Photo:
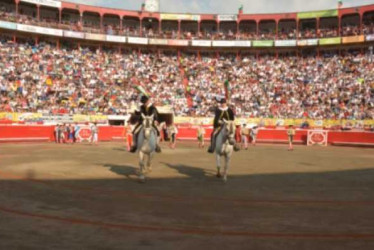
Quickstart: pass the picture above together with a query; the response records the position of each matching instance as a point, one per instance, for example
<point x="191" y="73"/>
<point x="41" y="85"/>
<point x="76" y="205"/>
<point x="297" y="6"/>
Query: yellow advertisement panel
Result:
<point x="89" y="118"/>
<point x="188" y="17"/>
<point x="353" y="39"/>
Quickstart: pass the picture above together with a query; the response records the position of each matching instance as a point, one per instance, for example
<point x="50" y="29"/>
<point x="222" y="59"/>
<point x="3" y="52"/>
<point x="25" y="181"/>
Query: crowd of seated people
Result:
<point x="287" y="34"/>
<point x="307" y="33"/>
<point x="350" y="30"/>
<point x="81" y="81"/>
<point x="327" y="32"/>
<point x="368" y="29"/>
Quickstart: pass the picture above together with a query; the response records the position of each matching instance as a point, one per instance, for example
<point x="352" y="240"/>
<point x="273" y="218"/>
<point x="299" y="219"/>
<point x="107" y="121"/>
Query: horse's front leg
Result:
<point x="141" y="166"/>
<point x="218" y="162"/>
<point x="149" y="162"/>
<point x="227" y="165"/>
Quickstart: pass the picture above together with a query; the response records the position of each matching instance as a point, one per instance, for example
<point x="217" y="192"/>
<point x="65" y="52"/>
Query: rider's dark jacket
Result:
<point x="221" y="114"/>
<point x="147" y="111"/>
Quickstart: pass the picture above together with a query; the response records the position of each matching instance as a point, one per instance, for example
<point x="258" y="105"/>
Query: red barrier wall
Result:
<point x="11" y="133"/>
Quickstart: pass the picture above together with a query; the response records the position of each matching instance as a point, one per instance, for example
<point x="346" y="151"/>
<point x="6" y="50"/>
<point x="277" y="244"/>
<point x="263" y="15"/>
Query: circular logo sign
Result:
<point x="85" y="134"/>
<point x="318" y="138"/>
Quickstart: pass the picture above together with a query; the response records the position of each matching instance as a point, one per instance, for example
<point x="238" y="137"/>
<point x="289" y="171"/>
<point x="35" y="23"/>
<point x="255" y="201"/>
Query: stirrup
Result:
<point x="210" y="150"/>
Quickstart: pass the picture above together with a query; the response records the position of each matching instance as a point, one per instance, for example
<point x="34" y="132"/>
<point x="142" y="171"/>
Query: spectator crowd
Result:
<point x="48" y="80"/>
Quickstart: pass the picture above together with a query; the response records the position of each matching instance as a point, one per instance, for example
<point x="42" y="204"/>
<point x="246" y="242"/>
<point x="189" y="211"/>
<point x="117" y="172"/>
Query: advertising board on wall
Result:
<point x="155" y="41"/>
<point x="263" y="43"/>
<point x="307" y="42"/>
<point x="369" y="38"/>
<point x="330" y="41"/>
<point x="242" y="43"/>
<point x="116" y="39"/>
<point x="39" y="30"/>
<point x="227" y="17"/>
<point x="201" y="43"/>
<point x="50" y="3"/>
<point x="223" y="43"/>
<point x="178" y="42"/>
<point x="97" y="37"/>
<point x="73" y="34"/>
<point x="8" y="25"/>
<point x="187" y="17"/>
<point x="316" y="14"/>
<point x="137" y="40"/>
<point x="353" y="39"/>
<point x="285" y="43"/>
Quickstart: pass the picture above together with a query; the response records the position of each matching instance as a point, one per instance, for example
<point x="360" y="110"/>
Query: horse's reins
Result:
<point x="230" y="131"/>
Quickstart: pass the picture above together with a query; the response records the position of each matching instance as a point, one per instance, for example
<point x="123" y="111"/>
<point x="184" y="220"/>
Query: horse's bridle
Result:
<point x="147" y="126"/>
<point x="230" y="137"/>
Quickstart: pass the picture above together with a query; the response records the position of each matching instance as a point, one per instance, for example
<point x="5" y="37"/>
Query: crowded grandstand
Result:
<point x="270" y="70"/>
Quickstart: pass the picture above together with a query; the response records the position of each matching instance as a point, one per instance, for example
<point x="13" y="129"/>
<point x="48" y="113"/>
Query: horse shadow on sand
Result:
<point x="191" y="172"/>
<point x="129" y="172"/>
<point x="123" y="149"/>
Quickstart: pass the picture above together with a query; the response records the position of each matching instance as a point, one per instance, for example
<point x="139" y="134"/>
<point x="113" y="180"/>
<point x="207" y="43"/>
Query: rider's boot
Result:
<point x="212" y="142"/>
<point x="134" y="147"/>
<point x="158" y="148"/>
<point x="236" y="147"/>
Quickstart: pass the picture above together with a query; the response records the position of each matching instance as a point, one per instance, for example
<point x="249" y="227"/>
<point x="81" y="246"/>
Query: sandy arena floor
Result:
<point x="88" y="197"/>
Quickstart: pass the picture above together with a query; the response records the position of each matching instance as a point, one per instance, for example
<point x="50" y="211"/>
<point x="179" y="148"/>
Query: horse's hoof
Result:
<point x="148" y="170"/>
<point x="142" y="179"/>
<point x="224" y="179"/>
<point x="219" y="175"/>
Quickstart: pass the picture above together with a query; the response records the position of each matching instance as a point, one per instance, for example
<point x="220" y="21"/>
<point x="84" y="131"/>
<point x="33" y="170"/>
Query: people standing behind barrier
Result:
<point x="200" y="135"/>
<point x="67" y="133"/>
<point x="95" y="134"/>
<point x="291" y="133"/>
<point x="173" y="131"/>
<point x="71" y="134"/>
<point x="128" y="129"/>
<point x="163" y="135"/>
<point x="59" y="133"/>
<point x="244" y="137"/>
<point x="254" y="132"/>
<point x="76" y="131"/>
<point x="62" y="133"/>
<point x="165" y="132"/>
<point x="56" y="134"/>
<point x="238" y="133"/>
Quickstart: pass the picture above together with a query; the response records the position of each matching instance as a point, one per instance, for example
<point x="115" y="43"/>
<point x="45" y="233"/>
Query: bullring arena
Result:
<point x="85" y="197"/>
<point x="301" y="88"/>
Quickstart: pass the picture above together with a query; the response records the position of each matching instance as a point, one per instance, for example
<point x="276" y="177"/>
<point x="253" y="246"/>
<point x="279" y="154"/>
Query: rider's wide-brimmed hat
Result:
<point x="144" y="99"/>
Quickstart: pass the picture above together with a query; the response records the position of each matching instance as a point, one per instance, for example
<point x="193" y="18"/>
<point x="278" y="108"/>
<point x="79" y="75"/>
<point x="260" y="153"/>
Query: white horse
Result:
<point x="225" y="142"/>
<point x="147" y="141"/>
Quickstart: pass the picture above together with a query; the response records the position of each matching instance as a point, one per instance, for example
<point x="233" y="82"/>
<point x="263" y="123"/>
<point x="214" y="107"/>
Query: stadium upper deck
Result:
<point x="328" y="27"/>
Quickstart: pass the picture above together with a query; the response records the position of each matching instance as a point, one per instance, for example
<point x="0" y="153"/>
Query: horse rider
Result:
<point x="147" y="109"/>
<point x="224" y="112"/>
